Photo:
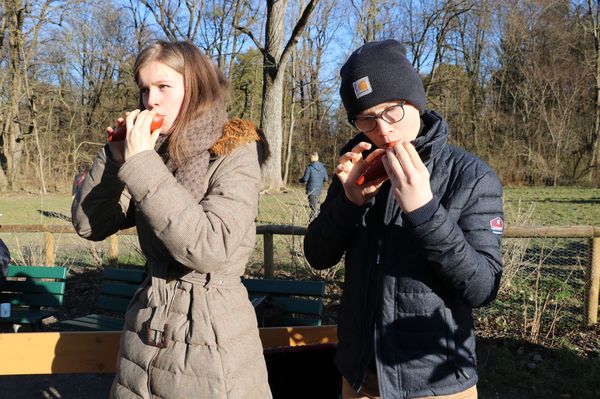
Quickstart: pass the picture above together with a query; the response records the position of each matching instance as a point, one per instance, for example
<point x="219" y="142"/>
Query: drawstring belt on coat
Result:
<point x="162" y="294"/>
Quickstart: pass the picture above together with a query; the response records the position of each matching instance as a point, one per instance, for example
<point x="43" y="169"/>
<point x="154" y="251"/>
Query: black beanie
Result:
<point x="379" y="72"/>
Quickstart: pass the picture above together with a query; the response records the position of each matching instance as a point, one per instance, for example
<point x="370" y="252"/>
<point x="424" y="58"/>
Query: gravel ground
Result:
<point x="63" y="386"/>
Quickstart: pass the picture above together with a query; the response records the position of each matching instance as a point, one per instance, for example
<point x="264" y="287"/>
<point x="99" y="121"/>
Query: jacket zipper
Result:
<point x="379" y="250"/>
<point x="151" y="363"/>
<point x="358" y="386"/>
<point x="376" y="319"/>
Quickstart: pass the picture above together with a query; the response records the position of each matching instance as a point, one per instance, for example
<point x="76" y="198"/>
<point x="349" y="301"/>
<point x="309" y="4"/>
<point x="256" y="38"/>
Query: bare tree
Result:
<point x="177" y="21"/>
<point x="591" y="22"/>
<point x="275" y="56"/>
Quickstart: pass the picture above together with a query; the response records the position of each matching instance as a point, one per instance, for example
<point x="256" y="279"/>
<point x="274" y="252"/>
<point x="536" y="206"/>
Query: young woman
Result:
<point x="191" y="189"/>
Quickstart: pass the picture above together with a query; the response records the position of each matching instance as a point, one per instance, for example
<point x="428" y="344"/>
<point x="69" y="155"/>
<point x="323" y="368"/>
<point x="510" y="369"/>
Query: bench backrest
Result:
<point x="118" y="287"/>
<point x="302" y="301"/>
<point x="34" y="286"/>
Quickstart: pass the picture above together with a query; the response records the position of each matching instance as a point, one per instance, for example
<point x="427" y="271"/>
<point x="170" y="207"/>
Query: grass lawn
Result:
<point x="547" y="206"/>
<point x="552" y="206"/>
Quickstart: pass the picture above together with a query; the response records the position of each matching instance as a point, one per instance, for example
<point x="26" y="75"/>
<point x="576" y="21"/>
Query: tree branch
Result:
<point x="297" y="30"/>
<point x="248" y="33"/>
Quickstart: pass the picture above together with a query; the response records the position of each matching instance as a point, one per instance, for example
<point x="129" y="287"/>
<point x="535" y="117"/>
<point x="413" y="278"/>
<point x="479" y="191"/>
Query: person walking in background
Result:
<point x="421" y="242"/>
<point x="315" y="175"/>
<point x="191" y="189"/>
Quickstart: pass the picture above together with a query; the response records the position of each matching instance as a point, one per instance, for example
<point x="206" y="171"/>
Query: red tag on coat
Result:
<point x="497" y="225"/>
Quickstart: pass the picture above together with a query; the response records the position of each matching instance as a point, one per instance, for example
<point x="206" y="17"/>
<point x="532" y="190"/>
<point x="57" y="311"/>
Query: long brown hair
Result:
<point x="204" y="85"/>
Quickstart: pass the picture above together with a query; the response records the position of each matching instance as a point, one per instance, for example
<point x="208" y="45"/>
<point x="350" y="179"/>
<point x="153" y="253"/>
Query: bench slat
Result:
<point x="94" y="322"/>
<point x="304" y="306"/>
<point x="302" y="301"/>
<point x="114" y="304"/>
<point x="29" y="286"/>
<point x="56" y="272"/>
<point x="33" y="300"/>
<point x="125" y="275"/>
<point x="287" y="287"/>
<point x="300" y="321"/>
<point x="124" y="290"/>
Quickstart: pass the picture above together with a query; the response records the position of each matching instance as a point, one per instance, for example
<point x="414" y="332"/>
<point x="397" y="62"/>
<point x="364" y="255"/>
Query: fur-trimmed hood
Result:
<point x="236" y="132"/>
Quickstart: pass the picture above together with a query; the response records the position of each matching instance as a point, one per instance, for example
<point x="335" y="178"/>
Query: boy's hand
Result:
<point x="351" y="165"/>
<point x="409" y="176"/>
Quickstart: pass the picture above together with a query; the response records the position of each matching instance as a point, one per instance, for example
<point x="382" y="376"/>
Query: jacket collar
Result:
<point x="236" y="132"/>
<point x="433" y="136"/>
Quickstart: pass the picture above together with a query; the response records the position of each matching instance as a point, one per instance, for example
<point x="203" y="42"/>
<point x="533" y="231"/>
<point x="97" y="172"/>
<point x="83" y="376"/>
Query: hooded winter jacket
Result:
<point x="411" y="280"/>
<point x="315" y="175"/>
<point x="196" y="252"/>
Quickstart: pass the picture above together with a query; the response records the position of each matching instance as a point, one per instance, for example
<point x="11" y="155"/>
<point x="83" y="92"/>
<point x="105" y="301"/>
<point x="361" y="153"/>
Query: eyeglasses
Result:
<point x="391" y="115"/>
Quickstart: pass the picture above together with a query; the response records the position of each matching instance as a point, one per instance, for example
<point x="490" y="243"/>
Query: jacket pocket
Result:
<point x="451" y="349"/>
<point x="200" y="331"/>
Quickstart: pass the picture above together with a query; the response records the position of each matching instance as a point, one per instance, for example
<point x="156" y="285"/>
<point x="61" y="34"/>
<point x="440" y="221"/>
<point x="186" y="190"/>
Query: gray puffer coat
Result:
<point x="315" y="175"/>
<point x="190" y="330"/>
<point x="411" y="280"/>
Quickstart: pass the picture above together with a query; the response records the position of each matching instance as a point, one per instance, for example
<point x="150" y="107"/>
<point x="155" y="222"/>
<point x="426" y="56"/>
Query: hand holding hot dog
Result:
<point x="115" y="146"/>
<point x="117" y="136"/>
<point x="138" y="139"/>
<point x="409" y="176"/>
<point x="350" y="167"/>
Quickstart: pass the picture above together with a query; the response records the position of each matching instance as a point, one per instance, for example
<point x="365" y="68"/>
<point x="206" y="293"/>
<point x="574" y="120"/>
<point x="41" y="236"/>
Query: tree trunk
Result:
<point x="595" y="173"/>
<point x="275" y="60"/>
<point x="272" y="109"/>
<point x="288" y="152"/>
<point x="271" y="125"/>
<point x="12" y="126"/>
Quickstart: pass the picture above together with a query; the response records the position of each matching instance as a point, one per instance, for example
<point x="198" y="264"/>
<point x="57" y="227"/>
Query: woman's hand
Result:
<point x="351" y="165"/>
<point x="139" y="137"/>
<point x="409" y="176"/>
<point x="116" y="148"/>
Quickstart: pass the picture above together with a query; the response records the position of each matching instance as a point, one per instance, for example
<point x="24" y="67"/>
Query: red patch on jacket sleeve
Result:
<point x="497" y="225"/>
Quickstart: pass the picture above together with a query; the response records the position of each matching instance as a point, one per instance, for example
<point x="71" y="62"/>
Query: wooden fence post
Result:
<point x="268" y="254"/>
<point x="594" y="283"/>
<point x="113" y="250"/>
<point x="49" y="249"/>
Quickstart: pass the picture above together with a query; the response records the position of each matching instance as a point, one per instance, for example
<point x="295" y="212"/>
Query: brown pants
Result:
<point x="370" y="390"/>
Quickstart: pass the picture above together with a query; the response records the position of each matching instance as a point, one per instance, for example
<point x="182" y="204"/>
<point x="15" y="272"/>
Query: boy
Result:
<point x="421" y="249"/>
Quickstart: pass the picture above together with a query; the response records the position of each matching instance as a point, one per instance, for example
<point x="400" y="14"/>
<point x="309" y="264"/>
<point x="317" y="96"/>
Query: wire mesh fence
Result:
<point x="543" y="291"/>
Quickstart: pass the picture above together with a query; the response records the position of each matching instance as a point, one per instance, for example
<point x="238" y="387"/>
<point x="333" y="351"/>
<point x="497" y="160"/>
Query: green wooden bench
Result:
<point x="301" y="302"/>
<point x="117" y="289"/>
<point x="34" y="292"/>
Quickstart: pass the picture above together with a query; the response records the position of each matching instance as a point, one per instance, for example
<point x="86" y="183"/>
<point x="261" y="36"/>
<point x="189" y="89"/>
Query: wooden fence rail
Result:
<point x="268" y="231"/>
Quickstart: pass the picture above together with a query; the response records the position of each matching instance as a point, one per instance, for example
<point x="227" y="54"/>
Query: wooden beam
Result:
<point x="59" y="352"/>
<point x="96" y="352"/>
<point x="509" y="232"/>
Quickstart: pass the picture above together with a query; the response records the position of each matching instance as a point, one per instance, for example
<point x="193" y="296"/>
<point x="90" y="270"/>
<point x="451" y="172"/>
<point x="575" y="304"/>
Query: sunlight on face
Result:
<point x="162" y="89"/>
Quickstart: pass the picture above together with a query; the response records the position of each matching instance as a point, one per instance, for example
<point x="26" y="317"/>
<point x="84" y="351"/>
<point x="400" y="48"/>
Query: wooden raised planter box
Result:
<point x="299" y="359"/>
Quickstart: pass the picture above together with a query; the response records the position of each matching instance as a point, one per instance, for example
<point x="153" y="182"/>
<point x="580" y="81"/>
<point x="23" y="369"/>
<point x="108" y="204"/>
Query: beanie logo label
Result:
<point x="362" y="87"/>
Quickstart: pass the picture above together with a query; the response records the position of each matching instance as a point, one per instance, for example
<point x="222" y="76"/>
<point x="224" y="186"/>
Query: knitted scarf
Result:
<point x="202" y="133"/>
